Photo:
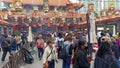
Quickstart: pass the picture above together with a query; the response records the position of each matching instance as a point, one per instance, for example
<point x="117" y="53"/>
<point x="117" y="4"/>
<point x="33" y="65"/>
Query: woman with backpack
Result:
<point x="66" y="55"/>
<point x="80" y="55"/>
<point x="49" y="56"/>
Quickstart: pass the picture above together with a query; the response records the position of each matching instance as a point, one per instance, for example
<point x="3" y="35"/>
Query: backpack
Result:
<point x="28" y="56"/>
<point x="60" y="43"/>
<point x="63" y="53"/>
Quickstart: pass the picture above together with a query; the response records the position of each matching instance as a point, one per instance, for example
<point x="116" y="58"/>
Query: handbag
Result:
<point x="46" y="63"/>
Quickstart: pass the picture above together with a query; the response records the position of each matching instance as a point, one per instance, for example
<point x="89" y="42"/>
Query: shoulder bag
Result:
<point x="46" y="63"/>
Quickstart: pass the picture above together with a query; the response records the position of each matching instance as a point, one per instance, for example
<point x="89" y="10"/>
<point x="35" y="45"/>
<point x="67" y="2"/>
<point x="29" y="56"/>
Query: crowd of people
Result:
<point x="77" y="48"/>
<point x="11" y="44"/>
<point x="66" y="45"/>
<point x="107" y="55"/>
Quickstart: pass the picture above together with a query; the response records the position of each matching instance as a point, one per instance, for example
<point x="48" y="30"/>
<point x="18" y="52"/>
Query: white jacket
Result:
<point x="47" y="51"/>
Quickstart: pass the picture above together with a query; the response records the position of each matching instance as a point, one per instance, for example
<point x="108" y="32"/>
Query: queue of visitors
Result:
<point x="68" y="46"/>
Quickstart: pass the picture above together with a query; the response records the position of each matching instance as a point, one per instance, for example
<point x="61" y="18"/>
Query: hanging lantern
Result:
<point x="34" y="25"/>
<point x="62" y="25"/>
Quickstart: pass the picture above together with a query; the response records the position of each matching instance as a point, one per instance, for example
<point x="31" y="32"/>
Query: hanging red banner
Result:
<point x="76" y="25"/>
<point x="15" y="28"/>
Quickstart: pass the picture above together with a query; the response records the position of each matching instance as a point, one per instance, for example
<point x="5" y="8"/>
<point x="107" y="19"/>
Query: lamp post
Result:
<point x="88" y="27"/>
<point x="90" y="16"/>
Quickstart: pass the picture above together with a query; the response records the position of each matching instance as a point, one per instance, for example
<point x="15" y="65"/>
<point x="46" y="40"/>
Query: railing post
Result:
<point x="11" y="61"/>
<point x="16" y="60"/>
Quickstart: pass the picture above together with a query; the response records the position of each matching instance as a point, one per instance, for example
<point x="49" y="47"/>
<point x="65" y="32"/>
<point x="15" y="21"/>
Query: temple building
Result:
<point x="52" y="15"/>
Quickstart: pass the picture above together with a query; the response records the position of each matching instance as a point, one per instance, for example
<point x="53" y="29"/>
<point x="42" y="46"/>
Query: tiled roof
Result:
<point x="58" y="2"/>
<point x="40" y="2"/>
<point x="34" y="2"/>
<point x="5" y="23"/>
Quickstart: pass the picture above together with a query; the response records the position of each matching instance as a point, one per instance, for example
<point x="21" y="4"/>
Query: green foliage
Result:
<point x="16" y="32"/>
<point x="4" y="9"/>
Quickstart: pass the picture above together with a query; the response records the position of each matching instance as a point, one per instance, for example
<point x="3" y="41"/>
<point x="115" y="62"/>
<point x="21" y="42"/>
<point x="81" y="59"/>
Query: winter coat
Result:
<point x="5" y="42"/>
<point x="106" y="61"/>
<point x="115" y="49"/>
<point x="80" y="61"/>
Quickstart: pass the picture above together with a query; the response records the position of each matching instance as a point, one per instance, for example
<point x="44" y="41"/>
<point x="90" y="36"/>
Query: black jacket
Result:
<point x="106" y="61"/>
<point x="80" y="61"/>
<point x="115" y="49"/>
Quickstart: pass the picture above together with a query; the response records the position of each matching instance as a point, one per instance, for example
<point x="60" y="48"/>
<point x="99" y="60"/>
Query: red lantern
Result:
<point x="34" y="25"/>
<point x="62" y="25"/>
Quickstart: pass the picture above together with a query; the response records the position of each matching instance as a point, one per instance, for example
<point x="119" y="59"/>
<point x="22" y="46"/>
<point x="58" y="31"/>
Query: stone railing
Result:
<point x="16" y="60"/>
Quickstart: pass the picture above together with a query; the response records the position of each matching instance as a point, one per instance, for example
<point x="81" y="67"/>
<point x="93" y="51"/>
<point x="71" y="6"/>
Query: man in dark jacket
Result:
<point x="5" y="44"/>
